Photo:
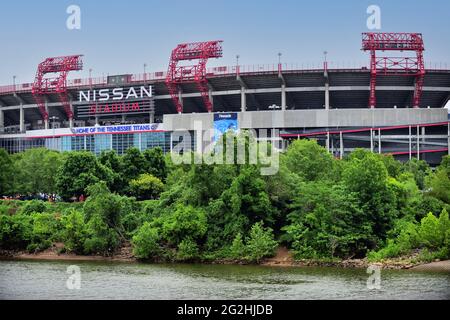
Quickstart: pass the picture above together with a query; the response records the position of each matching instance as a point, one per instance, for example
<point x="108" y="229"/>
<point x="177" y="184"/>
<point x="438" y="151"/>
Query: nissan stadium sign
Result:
<point x="115" y="101"/>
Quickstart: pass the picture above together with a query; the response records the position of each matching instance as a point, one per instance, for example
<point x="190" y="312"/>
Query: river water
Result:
<point x="48" y="280"/>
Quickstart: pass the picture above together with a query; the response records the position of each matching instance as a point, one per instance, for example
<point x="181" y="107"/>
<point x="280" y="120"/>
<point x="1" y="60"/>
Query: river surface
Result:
<point x="103" y="280"/>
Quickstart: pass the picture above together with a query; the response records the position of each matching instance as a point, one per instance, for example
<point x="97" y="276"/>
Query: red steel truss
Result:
<point x="176" y="75"/>
<point x="406" y="66"/>
<point x="58" y="84"/>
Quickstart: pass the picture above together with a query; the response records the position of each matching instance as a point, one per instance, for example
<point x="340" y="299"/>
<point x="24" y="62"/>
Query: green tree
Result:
<point x="36" y="171"/>
<point x="134" y="163"/>
<point x="393" y="167"/>
<point x="6" y="173"/>
<point x="438" y="183"/>
<point x="111" y="160"/>
<point x="308" y="160"/>
<point x="184" y="222"/>
<point x="366" y="175"/>
<point x="146" y="187"/>
<point x="146" y="242"/>
<point x="74" y="231"/>
<point x="156" y="163"/>
<point x="78" y="171"/>
<point x="16" y="231"/>
<point x="327" y="221"/>
<point x="420" y="170"/>
<point x="260" y="243"/>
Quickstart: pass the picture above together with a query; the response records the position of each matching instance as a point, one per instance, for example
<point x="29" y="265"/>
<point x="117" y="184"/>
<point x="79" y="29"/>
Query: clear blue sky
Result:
<point x="120" y="36"/>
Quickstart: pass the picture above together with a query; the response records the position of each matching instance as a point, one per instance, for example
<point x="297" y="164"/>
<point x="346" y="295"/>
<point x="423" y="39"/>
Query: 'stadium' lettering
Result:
<point x="114" y="108"/>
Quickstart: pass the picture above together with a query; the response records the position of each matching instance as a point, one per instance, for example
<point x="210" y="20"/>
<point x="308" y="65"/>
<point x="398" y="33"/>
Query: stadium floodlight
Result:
<point x="394" y="66"/>
<point x="43" y="86"/>
<point x="201" y="51"/>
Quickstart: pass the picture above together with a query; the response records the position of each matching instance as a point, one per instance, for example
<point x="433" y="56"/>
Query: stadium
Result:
<point x="393" y="105"/>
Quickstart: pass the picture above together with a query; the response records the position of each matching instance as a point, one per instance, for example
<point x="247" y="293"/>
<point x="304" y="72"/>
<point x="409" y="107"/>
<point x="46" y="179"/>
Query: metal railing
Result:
<point x="221" y="71"/>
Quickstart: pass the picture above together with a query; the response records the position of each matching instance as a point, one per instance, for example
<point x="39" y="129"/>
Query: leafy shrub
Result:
<point x="184" y="222"/>
<point x="34" y="206"/>
<point x="15" y="231"/>
<point x="432" y="235"/>
<point x="101" y="239"/>
<point x="46" y="228"/>
<point x="187" y="250"/>
<point x="74" y="231"/>
<point x="237" y="249"/>
<point x="146" y="242"/>
<point x="260" y="243"/>
<point x="146" y="187"/>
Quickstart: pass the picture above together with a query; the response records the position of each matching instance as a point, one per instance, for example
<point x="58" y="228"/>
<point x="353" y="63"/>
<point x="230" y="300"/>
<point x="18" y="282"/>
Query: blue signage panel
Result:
<point x="224" y="122"/>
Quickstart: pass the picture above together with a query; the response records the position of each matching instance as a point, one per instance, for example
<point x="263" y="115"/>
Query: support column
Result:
<point x="283" y="97"/>
<point x="180" y="98"/>
<point x="418" y="143"/>
<point x="341" y="144"/>
<point x="2" y="121"/>
<point x="211" y="98"/>
<point x="152" y="116"/>
<point x="328" y="142"/>
<point x="448" y="142"/>
<point x="72" y="110"/>
<point x="243" y="100"/>
<point x="46" y="124"/>
<point x="124" y="118"/>
<point x="332" y="145"/>
<point x="410" y="143"/>
<point x="379" y="140"/>
<point x="22" y="119"/>
<point x="152" y="111"/>
<point x="371" y="140"/>
<point x="327" y="96"/>
<point x="423" y="135"/>
<point x="96" y="121"/>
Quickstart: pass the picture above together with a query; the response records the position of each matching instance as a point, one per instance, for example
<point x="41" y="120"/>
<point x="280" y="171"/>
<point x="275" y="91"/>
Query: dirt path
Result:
<point x="283" y="257"/>
<point x="440" y="266"/>
<point x="51" y="254"/>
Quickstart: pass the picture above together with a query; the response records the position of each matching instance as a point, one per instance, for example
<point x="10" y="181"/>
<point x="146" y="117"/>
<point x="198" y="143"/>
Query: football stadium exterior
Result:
<point x="388" y="107"/>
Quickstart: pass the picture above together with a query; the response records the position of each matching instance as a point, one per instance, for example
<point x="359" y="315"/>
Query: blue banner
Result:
<point x="224" y="122"/>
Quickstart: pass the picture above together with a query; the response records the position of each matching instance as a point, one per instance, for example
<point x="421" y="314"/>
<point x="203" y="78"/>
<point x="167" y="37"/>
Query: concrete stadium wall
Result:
<point x="313" y="118"/>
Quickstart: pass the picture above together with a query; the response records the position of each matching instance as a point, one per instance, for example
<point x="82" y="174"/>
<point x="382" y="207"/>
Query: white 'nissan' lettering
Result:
<point x="115" y="94"/>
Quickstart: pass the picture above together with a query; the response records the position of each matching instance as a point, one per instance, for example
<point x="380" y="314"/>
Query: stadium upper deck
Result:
<point x="264" y="87"/>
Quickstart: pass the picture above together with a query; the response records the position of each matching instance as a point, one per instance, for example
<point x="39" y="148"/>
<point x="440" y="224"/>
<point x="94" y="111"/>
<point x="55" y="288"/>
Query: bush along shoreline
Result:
<point x="366" y="208"/>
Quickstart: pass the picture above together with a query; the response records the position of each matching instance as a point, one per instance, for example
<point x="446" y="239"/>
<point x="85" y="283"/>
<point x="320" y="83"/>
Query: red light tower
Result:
<point x="405" y="66"/>
<point x="201" y="51"/>
<point x="58" y="84"/>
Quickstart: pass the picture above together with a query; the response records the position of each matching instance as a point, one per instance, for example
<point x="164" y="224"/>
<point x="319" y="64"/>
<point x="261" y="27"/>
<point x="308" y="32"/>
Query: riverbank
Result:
<point x="283" y="258"/>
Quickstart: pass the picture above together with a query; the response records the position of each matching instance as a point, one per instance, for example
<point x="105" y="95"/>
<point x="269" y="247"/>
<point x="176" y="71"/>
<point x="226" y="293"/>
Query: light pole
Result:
<point x="14" y="82"/>
<point x="279" y="62"/>
<point x="90" y="77"/>
<point x="325" y="53"/>
<point x="237" y="63"/>
<point x="145" y="72"/>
